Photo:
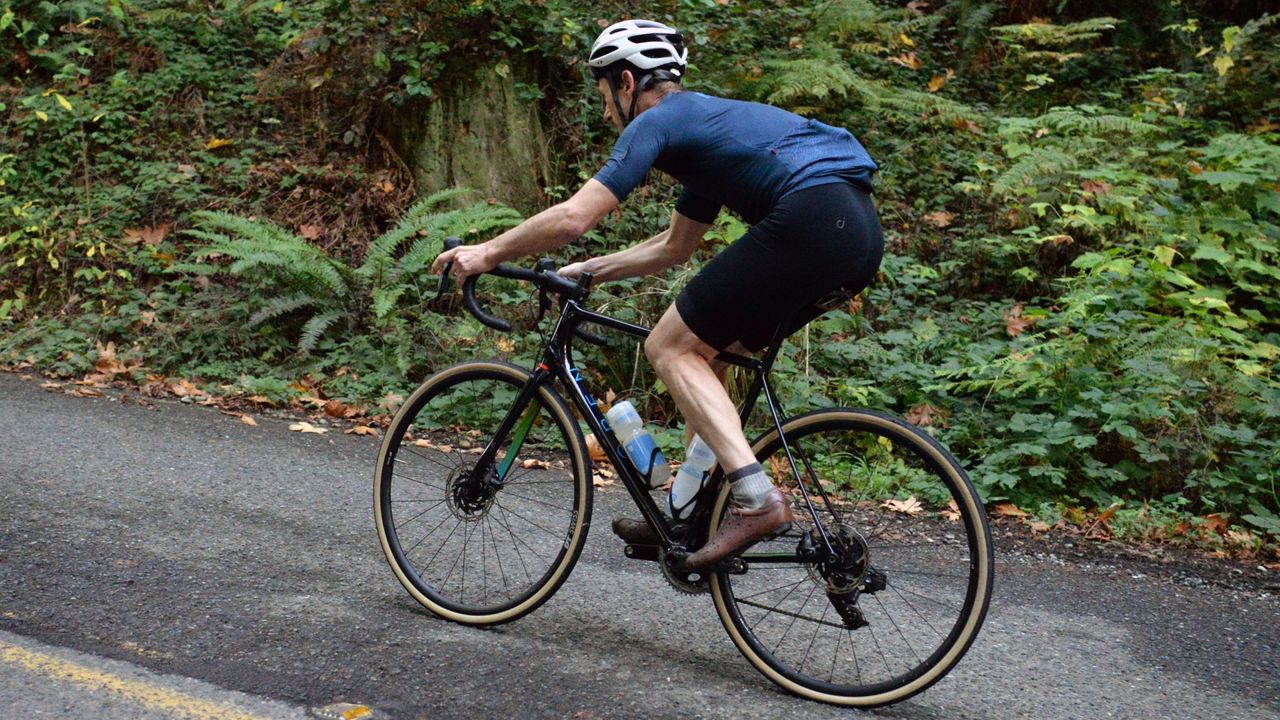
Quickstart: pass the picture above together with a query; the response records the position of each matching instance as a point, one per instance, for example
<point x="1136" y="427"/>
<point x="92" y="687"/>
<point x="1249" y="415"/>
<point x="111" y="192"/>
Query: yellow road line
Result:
<point x="150" y="696"/>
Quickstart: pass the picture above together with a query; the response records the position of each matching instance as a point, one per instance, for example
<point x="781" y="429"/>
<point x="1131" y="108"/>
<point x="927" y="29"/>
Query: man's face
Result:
<point x="624" y="96"/>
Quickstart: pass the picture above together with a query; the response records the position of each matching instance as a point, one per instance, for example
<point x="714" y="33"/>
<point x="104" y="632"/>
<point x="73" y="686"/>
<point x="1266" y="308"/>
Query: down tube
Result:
<point x="637" y="487"/>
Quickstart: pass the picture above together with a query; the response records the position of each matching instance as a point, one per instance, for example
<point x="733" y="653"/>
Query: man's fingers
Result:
<point x="443" y="259"/>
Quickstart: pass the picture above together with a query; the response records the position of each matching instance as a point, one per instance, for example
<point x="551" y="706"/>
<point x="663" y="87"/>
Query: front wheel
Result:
<point x="482" y="545"/>
<point x="901" y="598"/>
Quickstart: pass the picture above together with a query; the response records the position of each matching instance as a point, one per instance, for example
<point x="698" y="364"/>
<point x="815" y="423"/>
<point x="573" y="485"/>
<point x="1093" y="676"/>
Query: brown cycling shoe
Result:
<point x="742" y="527"/>
<point x="636" y="532"/>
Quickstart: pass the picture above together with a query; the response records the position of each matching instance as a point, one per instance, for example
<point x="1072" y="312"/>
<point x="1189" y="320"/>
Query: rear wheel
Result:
<point x="482" y="545"/>
<point x="903" y="596"/>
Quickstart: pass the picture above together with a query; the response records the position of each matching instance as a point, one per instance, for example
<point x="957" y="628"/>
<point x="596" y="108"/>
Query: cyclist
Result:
<point x="814" y="240"/>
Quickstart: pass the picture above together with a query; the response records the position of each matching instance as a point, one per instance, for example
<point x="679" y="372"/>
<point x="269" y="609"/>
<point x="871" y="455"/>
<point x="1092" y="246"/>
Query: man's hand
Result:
<point x="467" y="260"/>
<point x="575" y="270"/>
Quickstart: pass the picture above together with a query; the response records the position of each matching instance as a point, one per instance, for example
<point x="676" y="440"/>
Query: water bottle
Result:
<point x="644" y="453"/>
<point x="698" y="462"/>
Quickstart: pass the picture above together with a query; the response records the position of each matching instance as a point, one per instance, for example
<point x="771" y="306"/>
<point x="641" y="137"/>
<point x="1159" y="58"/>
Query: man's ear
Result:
<point x="627" y="81"/>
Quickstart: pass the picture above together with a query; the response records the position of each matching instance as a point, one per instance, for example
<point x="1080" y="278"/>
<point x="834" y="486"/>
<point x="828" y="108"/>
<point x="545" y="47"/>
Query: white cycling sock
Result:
<point x="750" y="486"/>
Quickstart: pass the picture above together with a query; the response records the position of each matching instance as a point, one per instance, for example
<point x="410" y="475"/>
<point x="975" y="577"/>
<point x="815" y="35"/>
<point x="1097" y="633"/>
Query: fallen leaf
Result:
<point x="1014" y="323"/>
<point x="599" y="481"/>
<point x="247" y="420"/>
<point x="534" y="463"/>
<point x="261" y="400"/>
<point x="146" y="235"/>
<point x="505" y="344"/>
<point x="360" y="430"/>
<point x="335" y="408"/>
<point x="952" y="512"/>
<point x="780" y="470"/>
<point x="1038" y="526"/>
<point x="940" y="219"/>
<point x="936" y="83"/>
<point x="1008" y="509"/>
<point x="423" y="443"/>
<point x="923" y="415"/>
<point x="1095" y="188"/>
<point x="910" y="506"/>
<point x="216" y="142"/>
<point x="594" y="451"/>
<point x="185" y="388"/>
<point x="966" y="125"/>
<point x="391" y="402"/>
<point x="51" y="385"/>
<point x="83" y="392"/>
<point x="306" y="427"/>
<point x="309" y="232"/>
<point x="1215" y="524"/>
<point x="907" y="60"/>
<point x="1240" y="537"/>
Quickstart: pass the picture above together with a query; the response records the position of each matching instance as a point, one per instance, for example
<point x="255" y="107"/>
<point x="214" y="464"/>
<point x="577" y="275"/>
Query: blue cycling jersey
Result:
<point x="742" y="155"/>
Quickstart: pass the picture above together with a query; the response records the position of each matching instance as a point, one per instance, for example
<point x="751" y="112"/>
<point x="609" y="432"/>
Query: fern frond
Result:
<point x="1049" y="35"/>
<point x="1041" y="164"/>
<point x="1090" y="119"/>
<point x="384" y="301"/>
<point x="437" y="198"/>
<point x="315" y="329"/>
<point x="281" y="306"/>
<point x="809" y="78"/>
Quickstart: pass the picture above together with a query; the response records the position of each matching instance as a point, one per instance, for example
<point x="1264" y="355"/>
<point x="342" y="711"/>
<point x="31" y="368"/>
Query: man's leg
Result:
<point x="685" y="363"/>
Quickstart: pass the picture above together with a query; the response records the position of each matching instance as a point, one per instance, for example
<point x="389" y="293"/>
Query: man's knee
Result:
<point x="654" y="349"/>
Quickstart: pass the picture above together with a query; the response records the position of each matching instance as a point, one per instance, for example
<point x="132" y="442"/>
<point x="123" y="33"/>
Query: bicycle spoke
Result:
<point x="794" y="616"/>
<point x="916" y="611"/>
<point x="527" y="520"/>
<point x="529" y="499"/>
<point x="897" y="627"/>
<point x="421" y="482"/>
<point x="852" y="468"/>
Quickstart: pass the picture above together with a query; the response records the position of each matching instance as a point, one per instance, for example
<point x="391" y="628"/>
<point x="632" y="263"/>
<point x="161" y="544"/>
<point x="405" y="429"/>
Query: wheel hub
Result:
<point x="843" y="572"/>
<point x="469" y="497"/>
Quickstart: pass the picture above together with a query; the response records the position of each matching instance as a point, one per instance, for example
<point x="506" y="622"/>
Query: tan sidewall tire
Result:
<point x="984" y="568"/>
<point x="582" y="476"/>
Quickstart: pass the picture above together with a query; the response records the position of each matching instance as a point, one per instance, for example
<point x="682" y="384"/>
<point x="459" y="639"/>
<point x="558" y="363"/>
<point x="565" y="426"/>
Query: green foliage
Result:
<point x="1082" y="214"/>
<point x="304" y="291"/>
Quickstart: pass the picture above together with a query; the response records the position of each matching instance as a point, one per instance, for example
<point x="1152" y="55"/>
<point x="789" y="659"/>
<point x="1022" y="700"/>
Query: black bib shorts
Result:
<point x="817" y="248"/>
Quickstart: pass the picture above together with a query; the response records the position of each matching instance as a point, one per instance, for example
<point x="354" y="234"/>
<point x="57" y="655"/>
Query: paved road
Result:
<point x="222" y="563"/>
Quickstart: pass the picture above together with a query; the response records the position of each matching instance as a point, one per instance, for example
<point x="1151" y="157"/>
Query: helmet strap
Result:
<point x="617" y="101"/>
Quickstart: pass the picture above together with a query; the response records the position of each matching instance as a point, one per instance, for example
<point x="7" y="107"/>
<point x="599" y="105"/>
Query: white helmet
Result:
<point x="648" y="48"/>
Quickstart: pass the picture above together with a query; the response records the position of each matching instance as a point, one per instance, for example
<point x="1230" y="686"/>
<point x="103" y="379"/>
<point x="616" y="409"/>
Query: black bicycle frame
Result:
<point x="558" y="363"/>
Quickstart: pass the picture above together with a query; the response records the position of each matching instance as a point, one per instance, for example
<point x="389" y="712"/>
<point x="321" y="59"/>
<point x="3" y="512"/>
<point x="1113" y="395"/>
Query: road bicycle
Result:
<point x="483" y="498"/>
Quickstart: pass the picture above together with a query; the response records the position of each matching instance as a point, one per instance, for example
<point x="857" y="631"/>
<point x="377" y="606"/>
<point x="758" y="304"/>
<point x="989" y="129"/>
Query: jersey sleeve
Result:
<point x="635" y="152"/>
<point x="697" y="208"/>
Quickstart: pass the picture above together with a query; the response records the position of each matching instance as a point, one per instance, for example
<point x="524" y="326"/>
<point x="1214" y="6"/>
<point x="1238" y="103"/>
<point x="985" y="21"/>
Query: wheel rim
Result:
<point x="465" y="547"/>
<point x="921" y="587"/>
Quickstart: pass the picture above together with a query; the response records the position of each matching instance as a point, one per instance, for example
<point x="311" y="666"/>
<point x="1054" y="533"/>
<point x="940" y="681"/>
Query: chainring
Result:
<point x="680" y="581"/>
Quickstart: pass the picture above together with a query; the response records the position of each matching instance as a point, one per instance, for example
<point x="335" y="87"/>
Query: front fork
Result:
<point x="517" y="424"/>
